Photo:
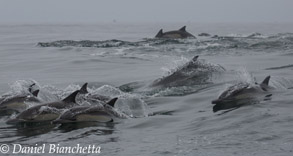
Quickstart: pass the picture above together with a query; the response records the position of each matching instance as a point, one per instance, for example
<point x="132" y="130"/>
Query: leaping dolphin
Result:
<point x="242" y="94"/>
<point x="175" y="34"/>
<point x="193" y="72"/>
<point x="178" y="75"/>
<point x="45" y="112"/>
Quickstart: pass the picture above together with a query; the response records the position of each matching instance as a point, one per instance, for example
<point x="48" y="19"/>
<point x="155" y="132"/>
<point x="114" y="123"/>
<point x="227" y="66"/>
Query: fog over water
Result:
<point x="92" y="11"/>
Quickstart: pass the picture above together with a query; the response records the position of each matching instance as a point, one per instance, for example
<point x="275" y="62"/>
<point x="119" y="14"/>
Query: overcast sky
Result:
<point x="95" y="11"/>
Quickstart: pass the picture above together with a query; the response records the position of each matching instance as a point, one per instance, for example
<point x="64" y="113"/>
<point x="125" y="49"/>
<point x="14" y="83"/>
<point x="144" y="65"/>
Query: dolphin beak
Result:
<point x="216" y="108"/>
<point x="215" y="101"/>
<point x="222" y="101"/>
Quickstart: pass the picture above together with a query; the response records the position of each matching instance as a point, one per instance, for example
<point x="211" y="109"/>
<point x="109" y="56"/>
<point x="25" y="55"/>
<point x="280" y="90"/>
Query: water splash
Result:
<point x="174" y="65"/>
<point x="20" y="87"/>
<point x="244" y="76"/>
<point x="281" y="83"/>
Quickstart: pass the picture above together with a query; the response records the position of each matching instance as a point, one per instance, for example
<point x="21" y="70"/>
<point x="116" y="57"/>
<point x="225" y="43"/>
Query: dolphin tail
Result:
<point x="83" y="89"/>
<point x="71" y="97"/>
<point x="36" y="92"/>
<point x="183" y="28"/>
<point x="112" y="102"/>
<point x="160" y="33"/>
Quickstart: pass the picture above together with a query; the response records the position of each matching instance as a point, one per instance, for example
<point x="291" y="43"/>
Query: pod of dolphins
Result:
<point x="63" y="111"/>
<point x="68" y="110"/>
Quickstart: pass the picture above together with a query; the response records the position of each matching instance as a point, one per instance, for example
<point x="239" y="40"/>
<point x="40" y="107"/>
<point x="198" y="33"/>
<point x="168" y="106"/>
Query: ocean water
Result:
<point x="123" y="60"/>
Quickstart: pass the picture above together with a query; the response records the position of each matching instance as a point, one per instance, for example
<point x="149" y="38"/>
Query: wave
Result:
<point x="280" y="67"/>
<point x="109" y="43"/>
<point x="87" y="43"/>
<point x="243" y="43"/>
<point x="251" y="35"/>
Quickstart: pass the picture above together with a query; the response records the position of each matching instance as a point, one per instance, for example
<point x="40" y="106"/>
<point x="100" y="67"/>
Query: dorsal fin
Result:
<point x="195" y="58"/>
<point x="266" y="81"/>
<point x="160" y="33"/>
<point x="112" y="102"/>
<point x="30" y="88"/>
<point x="36" y="92"/>
<point x="83" y="89"/>
<point x="183" y="28"/>
<point x="71" y="97"/>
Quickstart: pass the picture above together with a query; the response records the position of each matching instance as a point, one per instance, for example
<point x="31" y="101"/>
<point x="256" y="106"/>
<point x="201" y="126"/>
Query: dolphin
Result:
<point x="176" y="76"/>
<point x="204" y="34"/>
<point x="45" y="112"/>
<point x="241" y="94"/>
<point x="103" y="114"/>
<point x="18" y="103"/>
<point x="193" y="72"/>
<point x="175" y="34"/>
<point x="30" y="89"/>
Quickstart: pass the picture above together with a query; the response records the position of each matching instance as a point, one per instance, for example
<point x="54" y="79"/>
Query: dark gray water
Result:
<point x="122" y="60"/>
